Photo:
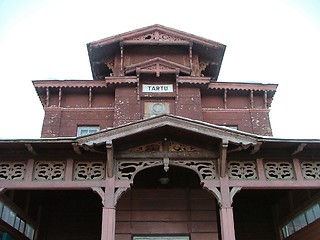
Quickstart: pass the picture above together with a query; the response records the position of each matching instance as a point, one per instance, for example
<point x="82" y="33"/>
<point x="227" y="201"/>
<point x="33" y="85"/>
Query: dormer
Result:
<point x="120" y="55"/>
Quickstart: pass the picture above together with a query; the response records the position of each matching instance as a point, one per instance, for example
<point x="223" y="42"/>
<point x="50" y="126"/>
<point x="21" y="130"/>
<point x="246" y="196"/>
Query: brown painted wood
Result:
<point x="167" y="211"/>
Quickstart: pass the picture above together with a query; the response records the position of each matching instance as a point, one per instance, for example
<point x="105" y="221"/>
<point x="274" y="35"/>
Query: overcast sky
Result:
<point x="267" y="41"/>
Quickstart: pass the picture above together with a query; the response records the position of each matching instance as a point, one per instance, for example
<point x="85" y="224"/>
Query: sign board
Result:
<point x="157" y="88"/>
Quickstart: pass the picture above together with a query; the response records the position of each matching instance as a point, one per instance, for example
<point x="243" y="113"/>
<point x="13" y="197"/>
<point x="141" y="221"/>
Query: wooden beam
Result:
<point x="30" y="148"/>
<point x="256" y="148"/>
<point x="110" y="160"/>
<point x="299" y="148"/>
<point x="223" y="158"/>
<point x="76" y="148"/>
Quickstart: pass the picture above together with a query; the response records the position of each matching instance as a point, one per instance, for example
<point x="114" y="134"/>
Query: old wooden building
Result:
<point x="155" y="148"/>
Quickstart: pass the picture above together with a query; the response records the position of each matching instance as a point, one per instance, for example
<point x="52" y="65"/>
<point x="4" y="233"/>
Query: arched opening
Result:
<point x="175" y="207"/>
<point x="175" y="177"/>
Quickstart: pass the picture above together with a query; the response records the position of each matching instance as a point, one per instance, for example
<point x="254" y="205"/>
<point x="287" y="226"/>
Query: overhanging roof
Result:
<point x="155" y="35"/>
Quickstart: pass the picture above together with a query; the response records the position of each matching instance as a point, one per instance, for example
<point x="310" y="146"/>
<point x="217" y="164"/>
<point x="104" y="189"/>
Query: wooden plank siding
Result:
<point x="167" y="211"/>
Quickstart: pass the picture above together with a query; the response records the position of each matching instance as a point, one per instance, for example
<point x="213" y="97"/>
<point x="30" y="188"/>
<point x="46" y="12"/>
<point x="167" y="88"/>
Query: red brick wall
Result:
<point x="189" y="103"/>
<point x="126" y="109"/>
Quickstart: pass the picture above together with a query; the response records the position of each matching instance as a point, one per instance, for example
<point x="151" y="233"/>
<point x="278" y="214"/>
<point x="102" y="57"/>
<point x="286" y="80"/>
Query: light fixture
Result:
<point x="164" y="179"/>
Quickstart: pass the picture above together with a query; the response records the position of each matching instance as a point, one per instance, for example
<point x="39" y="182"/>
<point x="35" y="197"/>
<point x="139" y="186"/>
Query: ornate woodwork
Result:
<point x="156" y="36"/>
<point x="310" y="170"/>
<point x="89" y="171"/>
<point x="45" y="170"/>
<point x="279" y="170"/>
<point x="179" y="147"/>
<point x="242" y="170"/>
<point x="12" y="170"/>
<point x="206" y="169"/>
<point x="127" y="169"/>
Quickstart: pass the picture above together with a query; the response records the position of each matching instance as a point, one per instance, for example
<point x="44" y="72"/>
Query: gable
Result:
<point x="156" y="34"/>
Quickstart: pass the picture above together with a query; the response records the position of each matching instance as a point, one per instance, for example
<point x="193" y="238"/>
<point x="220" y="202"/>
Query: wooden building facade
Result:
<point x="155" y="148"/>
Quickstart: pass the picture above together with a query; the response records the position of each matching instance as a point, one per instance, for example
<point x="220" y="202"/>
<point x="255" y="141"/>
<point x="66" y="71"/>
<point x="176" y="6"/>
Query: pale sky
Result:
<point x="268" y="41"/>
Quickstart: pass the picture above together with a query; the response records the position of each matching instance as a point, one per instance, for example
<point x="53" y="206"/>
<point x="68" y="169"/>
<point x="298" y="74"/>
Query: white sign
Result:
<point x="159" y="88"/>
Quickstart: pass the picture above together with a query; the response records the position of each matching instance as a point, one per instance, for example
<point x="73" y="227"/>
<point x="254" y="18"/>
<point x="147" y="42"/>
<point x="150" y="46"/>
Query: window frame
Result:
<point x="90" y="128"/>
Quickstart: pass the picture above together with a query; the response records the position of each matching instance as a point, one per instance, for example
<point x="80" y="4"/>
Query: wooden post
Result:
<point x="226" y="211"/>
<point x="108" y="211"/>
<point x="227" y="223"/>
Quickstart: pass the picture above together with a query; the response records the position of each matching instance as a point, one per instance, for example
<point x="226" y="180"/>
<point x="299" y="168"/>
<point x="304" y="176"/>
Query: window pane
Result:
<point x="299" y="222"/>
<point x="316" y="211"/>
<point x="5" y="213"/>
<point x="21" y="227"/>
<point x="310" y="215"/>
<point x="84" y="130"/>
<point x="290" y="228"/>
<point x="1" y="207"/>
<point x="29" y="232"/>
<point x="12" y="217"/>
<point x="285" y="231"/>
<point x="17" y="223"/>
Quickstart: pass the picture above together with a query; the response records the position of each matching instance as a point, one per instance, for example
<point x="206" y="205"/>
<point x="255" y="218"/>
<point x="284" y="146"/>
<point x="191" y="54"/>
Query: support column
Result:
<point x="227" y="223"/>
<point x="226" y="210"/>
<point x="108" y="211"/>
<point x="108" y="223"/>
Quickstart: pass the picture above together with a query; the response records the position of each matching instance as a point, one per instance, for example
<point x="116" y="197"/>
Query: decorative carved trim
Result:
<point x="310" y="170"/>
<point x="89" y="171"/>
<point x="156" y="36"/>
<point x="242" y="170"/>
<point x="47" y="171"/>
<point x="206" y="169"/>
<point x="126" y="170"/>
<point x="12" y="170"/>
<point x="152" y="147"/>
<point x="233" y="192"/>
<point x="279" y="170"/>
<point x="158" y="147"/>
<point x="119" y="192"/>
<point x="180" y="147"/>
<point x="166" y="162"/>
<point x="215" y="191"/>
<point x="100" y="192"/>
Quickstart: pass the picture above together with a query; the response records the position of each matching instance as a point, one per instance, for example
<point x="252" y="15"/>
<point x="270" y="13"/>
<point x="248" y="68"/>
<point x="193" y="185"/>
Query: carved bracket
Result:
<point x="217" y="193"/>
<point x="100" y="192"/>
<point x="119" y="192"/>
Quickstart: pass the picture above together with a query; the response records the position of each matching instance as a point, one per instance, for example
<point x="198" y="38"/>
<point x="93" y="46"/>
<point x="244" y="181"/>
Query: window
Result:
<point x="85" y="130"/>
<point x="10" y="216"/>
<point x="235" y="127"/>
<point x="301" y="220"/>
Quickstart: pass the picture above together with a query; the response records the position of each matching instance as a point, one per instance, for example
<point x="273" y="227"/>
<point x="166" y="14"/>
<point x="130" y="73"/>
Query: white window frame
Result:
<point x="89" y="129"/>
